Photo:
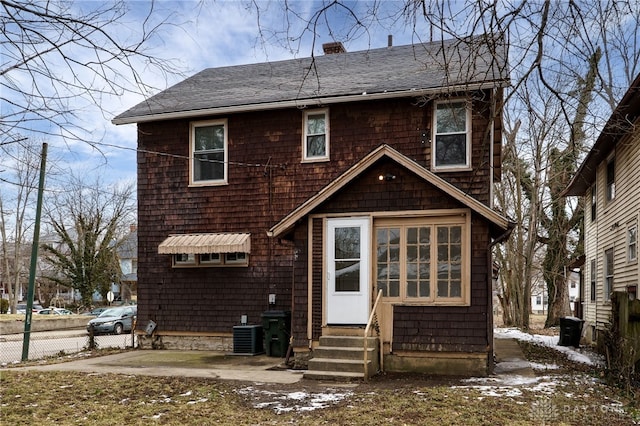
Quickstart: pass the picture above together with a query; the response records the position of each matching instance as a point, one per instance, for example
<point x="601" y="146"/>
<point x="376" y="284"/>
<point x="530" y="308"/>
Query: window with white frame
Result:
<point x="208" y="152"/>
<point x="315" y="144"/>
<point x="210" y="260"/>
<point x="423" y="262"/>
<point x="611" y="179"/>
<point x="451" y="134"/>
<point x="594" y="202"/>
<point x="592" y="286"/>
<point x="632" y="243"/>
<point x="608" y="273"/>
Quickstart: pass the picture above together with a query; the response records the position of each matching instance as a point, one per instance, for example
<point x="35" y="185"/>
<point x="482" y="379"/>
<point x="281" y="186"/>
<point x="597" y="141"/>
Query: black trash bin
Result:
<point x="276" y="326"/>
<point x="570" y="331"/>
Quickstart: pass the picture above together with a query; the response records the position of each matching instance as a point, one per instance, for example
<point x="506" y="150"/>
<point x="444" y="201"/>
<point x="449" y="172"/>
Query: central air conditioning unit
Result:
<point x="247" y="339"/>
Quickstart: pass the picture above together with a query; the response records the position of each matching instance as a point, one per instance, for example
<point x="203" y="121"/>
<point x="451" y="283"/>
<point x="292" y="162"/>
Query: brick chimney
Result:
<point x="333" y="47"/>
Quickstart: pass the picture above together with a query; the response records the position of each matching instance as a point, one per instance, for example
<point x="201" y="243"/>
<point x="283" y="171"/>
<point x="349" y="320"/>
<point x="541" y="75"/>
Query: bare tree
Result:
<point x="89" y="222"/>
<point x="570" y="63"/>
<point x="18" y="186"/>
<point x="60" y="57"/>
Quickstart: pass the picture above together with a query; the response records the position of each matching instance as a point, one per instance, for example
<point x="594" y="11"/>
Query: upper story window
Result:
<point x="611" y="178"/>
<point x="451" y="135"/>
<point x="594" y="202"/>
<point x="632" y="243"/>
<point x="315" y="144"/>
<point x="208" y="142"/>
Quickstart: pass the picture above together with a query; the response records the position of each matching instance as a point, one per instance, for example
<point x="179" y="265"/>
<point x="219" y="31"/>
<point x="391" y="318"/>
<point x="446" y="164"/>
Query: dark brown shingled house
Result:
<point x="349" y="194"/>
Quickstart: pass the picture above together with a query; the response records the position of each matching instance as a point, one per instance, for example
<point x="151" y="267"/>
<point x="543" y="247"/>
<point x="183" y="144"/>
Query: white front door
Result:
<point x="348" y="269"/>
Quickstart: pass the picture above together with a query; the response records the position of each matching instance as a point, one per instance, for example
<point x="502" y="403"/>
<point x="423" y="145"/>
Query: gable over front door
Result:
<point x="348" y="271"/>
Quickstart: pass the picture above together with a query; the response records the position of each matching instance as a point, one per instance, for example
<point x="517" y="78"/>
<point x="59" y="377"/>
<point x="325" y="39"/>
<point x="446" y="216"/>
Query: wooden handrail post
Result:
<point x="366" y="335"/>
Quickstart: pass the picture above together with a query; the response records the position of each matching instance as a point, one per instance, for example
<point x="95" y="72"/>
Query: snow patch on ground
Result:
<point x="284" y="402"/>
<point x="581" y="355"/>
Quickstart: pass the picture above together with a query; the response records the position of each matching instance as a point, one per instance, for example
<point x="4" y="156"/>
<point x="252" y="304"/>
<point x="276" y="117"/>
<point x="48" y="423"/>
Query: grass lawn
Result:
<point x="563" y="393"/>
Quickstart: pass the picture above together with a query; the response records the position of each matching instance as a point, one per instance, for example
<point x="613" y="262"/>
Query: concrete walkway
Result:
<point x="509" y="359"/>
<point x="259" y="368"/>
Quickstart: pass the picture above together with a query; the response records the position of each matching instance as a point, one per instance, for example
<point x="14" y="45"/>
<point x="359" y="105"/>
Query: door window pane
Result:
<point x="347" y="276"/>
<point x="347" y="258"/>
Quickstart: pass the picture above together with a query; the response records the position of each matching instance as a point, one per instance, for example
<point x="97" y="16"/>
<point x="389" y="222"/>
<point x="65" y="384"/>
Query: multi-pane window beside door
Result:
<point x="421" y="263"/>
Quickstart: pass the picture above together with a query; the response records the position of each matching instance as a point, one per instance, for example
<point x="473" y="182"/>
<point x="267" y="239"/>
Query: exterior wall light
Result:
<point x="387" y="177"/>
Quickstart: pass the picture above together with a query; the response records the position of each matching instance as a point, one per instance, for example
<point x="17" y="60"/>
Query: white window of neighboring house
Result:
<point x="611" y="179"/>
<point x="608" y="273"/>
<point x="592" y="286"/>
<point x="422" y="262"/>
<point x="315" y="143"/>
<point x="594" y="200"/>
<point x="632" y="243"/>
<point x="538" y="300"/>
<point x="451" y="148"/>
<point x="208" y="162"/>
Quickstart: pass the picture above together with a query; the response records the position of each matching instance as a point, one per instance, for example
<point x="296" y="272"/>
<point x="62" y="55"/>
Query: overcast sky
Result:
<point x="199" y="35"/>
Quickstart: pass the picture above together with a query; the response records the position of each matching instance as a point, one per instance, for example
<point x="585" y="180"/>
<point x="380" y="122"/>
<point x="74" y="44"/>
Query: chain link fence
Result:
<point x="59" y="343"/>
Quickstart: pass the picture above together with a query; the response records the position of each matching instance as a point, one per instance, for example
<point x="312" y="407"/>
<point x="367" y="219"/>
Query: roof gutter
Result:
<point x="303" y="103"/>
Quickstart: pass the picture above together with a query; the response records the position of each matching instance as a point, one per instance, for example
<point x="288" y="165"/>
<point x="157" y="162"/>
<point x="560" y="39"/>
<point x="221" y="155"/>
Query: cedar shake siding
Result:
<point x="362" y="115"/>
<point x="266" y="180"/>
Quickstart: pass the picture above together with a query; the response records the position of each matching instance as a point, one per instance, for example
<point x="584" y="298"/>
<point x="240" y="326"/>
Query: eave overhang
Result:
<point x="305" y="102"/>
<point x="624" y="120"/>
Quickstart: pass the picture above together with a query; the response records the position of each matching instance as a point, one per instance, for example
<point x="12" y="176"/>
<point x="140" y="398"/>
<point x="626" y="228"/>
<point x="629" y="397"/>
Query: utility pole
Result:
<point x="34" y="258"/>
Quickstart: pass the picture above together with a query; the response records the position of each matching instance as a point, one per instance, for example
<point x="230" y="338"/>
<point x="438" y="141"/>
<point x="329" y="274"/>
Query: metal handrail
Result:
<point x="366" y="335"/>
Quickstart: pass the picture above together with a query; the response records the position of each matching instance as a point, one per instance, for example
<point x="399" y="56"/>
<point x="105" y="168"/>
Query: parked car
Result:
<point x="113" y="320"/>
<point x="96" y="311"/>
<point x="22" y="308"/>
<point x="54" y="311"/>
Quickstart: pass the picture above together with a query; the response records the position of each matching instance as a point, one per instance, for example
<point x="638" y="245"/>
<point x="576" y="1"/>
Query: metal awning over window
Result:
<point x="206" y="243"/>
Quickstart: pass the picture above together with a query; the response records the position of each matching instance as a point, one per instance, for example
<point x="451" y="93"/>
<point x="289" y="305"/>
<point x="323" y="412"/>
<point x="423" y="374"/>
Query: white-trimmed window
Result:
<point x="451" y="148"/>
<point x="611" y="179"/>
<point x="208" y="152"/>
<point x="594" y="202"/>
<point x="608" y="273"/>
<point x="592" y="284"/>
<point x="184" y="259"/>
<point x="315" y="143"/>
<point x="423" y="261"/>
<point x="210" y="260"/>
<point x="632" y="243"/>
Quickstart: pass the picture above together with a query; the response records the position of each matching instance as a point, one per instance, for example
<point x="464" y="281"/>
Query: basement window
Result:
<point x="204" y="260"/>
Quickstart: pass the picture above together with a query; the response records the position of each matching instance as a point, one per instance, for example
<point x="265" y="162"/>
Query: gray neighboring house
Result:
<point x="609" y="181"/>
<point x="128" y="256"/>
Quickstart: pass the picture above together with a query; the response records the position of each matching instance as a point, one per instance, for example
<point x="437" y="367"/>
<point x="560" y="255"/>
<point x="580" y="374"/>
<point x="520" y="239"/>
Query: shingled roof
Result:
<point x="397" y="71"/>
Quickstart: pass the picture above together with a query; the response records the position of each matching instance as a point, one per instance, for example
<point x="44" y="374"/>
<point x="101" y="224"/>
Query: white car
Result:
<point x="54" y="311"/>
